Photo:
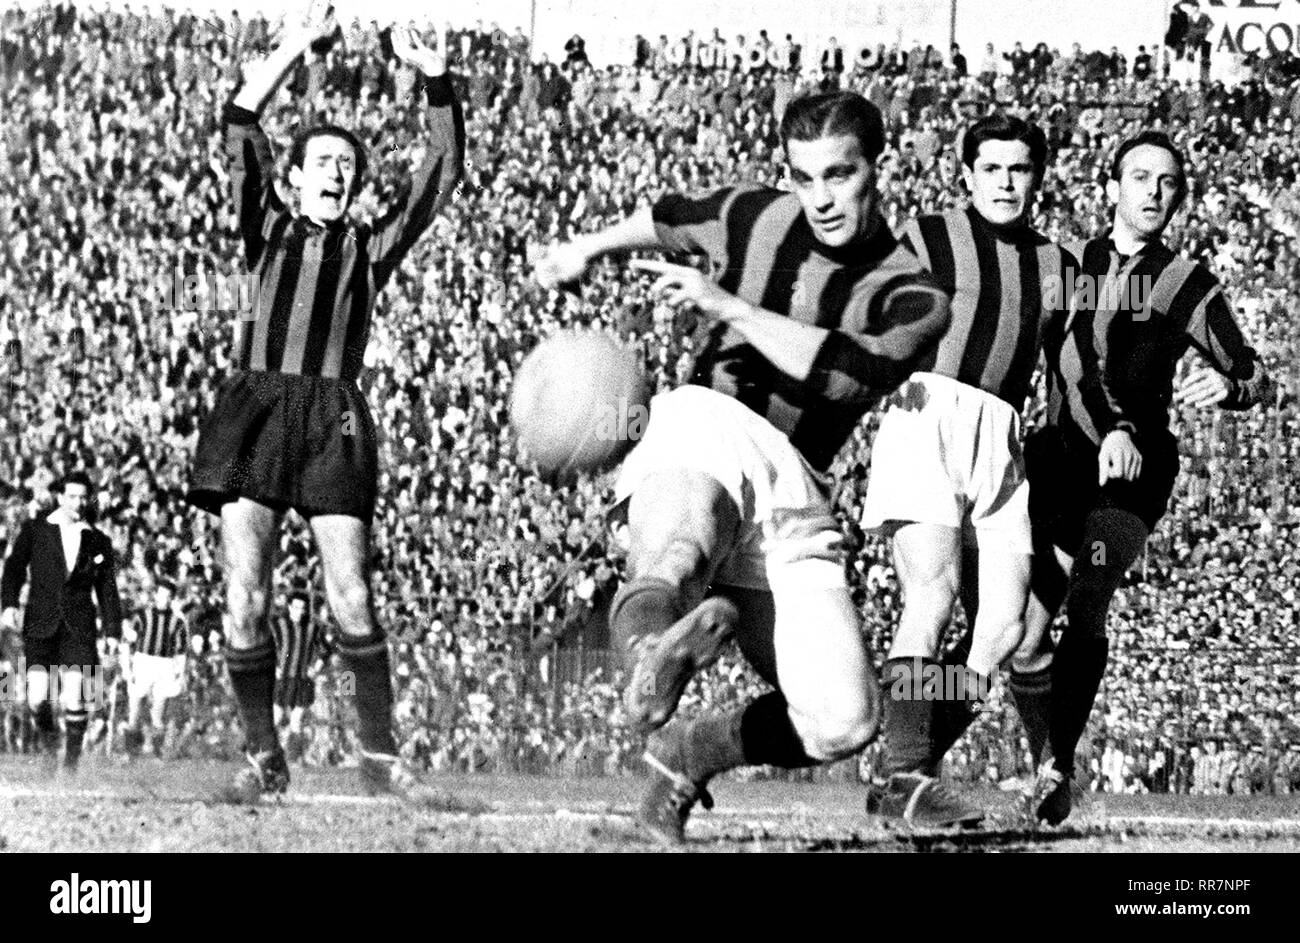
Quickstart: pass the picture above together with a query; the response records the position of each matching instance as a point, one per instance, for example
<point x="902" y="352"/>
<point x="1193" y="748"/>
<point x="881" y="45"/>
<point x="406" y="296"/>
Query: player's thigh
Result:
<point x="822" y="664"/>
<point x="248" y="539"/>
<point x="343" y="544"/>
<point x="682" y="522"/>
<point x="927" y="559"/>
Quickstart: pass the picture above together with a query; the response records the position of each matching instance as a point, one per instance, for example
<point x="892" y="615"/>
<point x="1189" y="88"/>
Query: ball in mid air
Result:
<point x="580" y="402"/>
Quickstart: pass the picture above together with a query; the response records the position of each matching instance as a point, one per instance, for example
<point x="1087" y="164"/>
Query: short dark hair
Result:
<point x="298" y="151"/>
<point x="829" y="114"/>
<point x="1161" y="140"/>
<point x="1003" y="127"/>
<point x="299" y="594"/>
<point x="73" y="478"/>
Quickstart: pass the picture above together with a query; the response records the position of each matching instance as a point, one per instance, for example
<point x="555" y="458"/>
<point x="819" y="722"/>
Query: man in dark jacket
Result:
<point x="66" y="561"/>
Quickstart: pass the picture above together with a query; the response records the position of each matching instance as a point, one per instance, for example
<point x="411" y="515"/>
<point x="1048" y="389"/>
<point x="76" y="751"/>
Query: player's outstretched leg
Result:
<point x="1112" y="540"/>
<point x="827" y="706"/>
<point x="681" y="523"/>
<point x="248" y="532"/>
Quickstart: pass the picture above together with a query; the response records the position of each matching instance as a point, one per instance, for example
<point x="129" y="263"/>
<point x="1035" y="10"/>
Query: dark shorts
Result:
<point x="295" y="692"/>
<point x="287" y="441"/>
<point x="1063" y="488"/>
<point x="64" y="648"/>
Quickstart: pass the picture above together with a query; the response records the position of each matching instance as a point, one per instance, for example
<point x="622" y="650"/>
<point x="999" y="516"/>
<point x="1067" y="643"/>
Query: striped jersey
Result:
<point x="1133" y="318"/>
<point x="882" y="311"/>
<point x="315" y="285"/>
<point x="296" y="645"/>
<point x="1007" y="287"/>
<point x="160" y="632"/>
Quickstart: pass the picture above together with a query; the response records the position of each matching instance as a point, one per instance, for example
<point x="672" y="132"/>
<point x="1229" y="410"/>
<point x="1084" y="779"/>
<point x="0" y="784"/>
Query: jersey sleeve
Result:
<point x="252" y="172"/>
<point x="692" y="224"/>
<point x="909" y="316"/>
<point x="1214" y="333"/>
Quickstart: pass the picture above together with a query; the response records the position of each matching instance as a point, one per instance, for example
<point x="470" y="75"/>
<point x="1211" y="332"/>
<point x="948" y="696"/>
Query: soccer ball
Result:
<point x="580" y="402"/>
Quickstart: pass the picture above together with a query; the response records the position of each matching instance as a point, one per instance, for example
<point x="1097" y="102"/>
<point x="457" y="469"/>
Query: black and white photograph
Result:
<point x="689" y="426"/>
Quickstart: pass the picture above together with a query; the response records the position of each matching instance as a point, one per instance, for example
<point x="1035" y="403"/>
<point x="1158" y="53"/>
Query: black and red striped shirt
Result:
<point x="884" y="312"/>
<point x="1134" y="317"/>
<point x="316" y="285"/>
<point x="1008" y="288"/>
<point x="160" y="632"/>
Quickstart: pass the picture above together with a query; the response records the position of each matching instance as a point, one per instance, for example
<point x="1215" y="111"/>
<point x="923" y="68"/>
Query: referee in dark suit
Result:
<point x="66" y="561"/>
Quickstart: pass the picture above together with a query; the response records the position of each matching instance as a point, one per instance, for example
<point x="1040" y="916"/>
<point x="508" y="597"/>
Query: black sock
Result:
<point x="909" y="714"/>
<point x="642" y="606"/>
<point x="367" y="659"/>
<point x="767" y="736"/>
<point x="43" y="719"/>
<point x="1112" y="540"/>
<point x="1031" y="691"/>
<point x="252" y="678"/>
<point x="1077" y="671"/>
<point x="958" y="708"/>
<point x="74" y="733"/>
<point x="714" y="745"/>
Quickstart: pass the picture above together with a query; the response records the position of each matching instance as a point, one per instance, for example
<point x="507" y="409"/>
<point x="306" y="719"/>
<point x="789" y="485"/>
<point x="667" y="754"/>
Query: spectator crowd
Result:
<point x="492" y="584"/>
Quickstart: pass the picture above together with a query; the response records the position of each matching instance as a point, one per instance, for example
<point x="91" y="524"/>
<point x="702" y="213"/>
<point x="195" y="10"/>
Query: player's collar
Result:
<point x="1154" y="247"/>
<point x="1019" y="234"/>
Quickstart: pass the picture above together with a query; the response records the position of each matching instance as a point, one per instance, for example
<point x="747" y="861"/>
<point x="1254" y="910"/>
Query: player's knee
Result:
<point x="678" y="560"/>
<point x="351" y="607"/>
<point x="834" y="737"/>
<point x="71" y="696"/>
<point x="246" y="602"/>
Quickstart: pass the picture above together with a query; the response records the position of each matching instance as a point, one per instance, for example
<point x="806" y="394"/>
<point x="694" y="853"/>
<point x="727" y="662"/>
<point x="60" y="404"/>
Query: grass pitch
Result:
<point x="156" y="806"/>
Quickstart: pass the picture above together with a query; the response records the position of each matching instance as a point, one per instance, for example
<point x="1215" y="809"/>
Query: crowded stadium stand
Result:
<point x="493" y="585"/>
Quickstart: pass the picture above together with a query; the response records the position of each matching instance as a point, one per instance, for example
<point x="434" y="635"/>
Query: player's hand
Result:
<point x="1202" y="387"/>
<point x="9" y="620"/>
<point x="681" y="284"/>
<point x="411" y="49"/>
<point x="1119" y="458"/>
<point x="563" y="262"/>
<point x="315" y="23"/>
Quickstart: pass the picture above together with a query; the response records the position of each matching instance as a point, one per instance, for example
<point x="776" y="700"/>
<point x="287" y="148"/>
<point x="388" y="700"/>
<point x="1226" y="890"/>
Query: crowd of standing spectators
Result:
<point x="115" y="213"/>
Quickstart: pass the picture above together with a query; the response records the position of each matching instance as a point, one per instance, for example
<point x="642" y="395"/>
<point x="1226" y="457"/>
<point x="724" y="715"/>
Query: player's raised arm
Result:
<point x="444" y="160"/>
<point x="263" y="77"/>
<point x="248" y="150"/>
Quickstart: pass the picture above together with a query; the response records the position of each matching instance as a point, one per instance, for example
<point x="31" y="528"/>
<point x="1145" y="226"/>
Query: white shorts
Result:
<point x="788" y="532"/>
<point x="950" y="454"/>
<point x="155" y="677"/>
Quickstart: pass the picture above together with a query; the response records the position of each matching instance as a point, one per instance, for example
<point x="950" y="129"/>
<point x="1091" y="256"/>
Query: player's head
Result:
<point x="163" y="592"/>
<point x="832" y="141"/>
<point x="297" y="605"/>
<point x="1147" y="184"/>
<point x="326" y="164"/>
<point x="73" y="490"/>
<point x="1004" y="159"/>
